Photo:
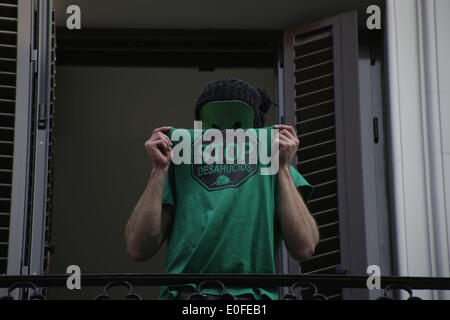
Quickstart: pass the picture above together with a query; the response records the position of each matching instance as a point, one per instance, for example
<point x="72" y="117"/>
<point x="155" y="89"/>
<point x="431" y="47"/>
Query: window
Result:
<point x="322" y="100"/>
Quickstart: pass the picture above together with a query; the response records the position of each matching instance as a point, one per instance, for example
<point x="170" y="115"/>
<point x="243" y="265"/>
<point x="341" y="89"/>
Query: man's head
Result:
<point x="232" y="103"/>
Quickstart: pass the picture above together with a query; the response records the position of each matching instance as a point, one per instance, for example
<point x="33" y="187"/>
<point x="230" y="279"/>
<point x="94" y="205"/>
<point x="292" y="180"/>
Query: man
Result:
<point x="220" y="219"/>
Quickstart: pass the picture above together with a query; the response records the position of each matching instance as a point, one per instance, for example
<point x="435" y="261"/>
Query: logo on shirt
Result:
<point x="225" y="174"/>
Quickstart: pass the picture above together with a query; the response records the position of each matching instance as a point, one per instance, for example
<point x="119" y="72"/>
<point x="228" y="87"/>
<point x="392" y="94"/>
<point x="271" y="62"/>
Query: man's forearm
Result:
<point x="298" y="227"/>
<point x="144" y="228"/>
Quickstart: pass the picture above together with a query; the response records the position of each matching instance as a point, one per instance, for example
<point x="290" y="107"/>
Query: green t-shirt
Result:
<point x="224" y="221"/>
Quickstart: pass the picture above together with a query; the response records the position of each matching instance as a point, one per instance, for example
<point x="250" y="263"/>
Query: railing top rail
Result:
<point x="251" y="280"/>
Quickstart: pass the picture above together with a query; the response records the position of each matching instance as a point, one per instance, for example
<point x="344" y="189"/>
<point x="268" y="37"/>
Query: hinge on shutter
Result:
<point x="373" y="57"/>
<point x="376" y="136"/>
<point x="42" y="120"/>
<point x="33" y="58"/>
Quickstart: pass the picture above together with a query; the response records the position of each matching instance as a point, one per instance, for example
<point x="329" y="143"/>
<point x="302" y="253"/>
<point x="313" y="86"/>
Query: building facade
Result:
<point x="370" y="106"/>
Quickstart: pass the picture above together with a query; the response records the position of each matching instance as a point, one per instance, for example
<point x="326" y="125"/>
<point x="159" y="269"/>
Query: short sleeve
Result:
<point x="167" y="197"/>
<point x="300" y="182"/>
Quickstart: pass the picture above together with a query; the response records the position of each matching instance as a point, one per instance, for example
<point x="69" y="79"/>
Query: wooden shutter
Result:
<point x="321" y="92"/>
<point x="39" y="230"/>
<point x="316" y="130"/>
<point x="26" y="128"/>
<point x="8" y="49"/>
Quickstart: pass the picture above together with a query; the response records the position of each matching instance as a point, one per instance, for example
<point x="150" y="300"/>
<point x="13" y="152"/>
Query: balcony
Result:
<point x="297" y="287"/>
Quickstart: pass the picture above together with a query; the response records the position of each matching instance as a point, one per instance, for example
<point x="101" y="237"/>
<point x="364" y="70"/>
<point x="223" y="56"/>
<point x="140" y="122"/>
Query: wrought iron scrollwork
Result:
<point x="198" y="295"/>
<point x="398" y="286"/>
<point x="301" y="287"/>
<point x="130" y="295"/>
<point x="35" y="295"/>
<point x="291" y="295"/>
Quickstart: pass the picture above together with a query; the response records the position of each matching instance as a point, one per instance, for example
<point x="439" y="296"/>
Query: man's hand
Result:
<point x="150" y="222"/>
<point x="288" y="142"/>
<point x="158" y="148"/>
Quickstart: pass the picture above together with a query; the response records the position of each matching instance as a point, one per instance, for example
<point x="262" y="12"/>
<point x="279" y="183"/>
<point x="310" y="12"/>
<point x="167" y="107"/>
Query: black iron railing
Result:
<point x="300" y="286"/>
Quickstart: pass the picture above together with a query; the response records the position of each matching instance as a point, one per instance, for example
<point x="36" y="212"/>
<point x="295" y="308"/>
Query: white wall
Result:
<point x="441" y="153"/>
<point x="419" y="111"/>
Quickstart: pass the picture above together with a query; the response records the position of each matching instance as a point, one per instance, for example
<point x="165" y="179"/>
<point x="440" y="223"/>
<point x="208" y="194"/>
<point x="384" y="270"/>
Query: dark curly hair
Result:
<point x="235" y="89"/>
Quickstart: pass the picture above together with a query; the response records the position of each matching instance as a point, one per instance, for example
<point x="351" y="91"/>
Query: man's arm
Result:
<point x="298" y="227"/>
<point x="151" y="222"/>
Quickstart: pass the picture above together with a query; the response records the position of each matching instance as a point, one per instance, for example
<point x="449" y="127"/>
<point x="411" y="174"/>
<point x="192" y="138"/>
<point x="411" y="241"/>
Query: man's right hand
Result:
<point x="158" y="148"/>
<point x="150" y="222"/>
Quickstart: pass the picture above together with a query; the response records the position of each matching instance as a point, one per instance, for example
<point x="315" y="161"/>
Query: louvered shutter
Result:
<point x="316" y="98"/>
<point x="8" y="49"/>
<point x="43" y="158"/>
<point x="26" y="125"/>
<point x="314" y="88"/>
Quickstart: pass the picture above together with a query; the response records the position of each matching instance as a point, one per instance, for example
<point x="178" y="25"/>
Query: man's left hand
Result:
<point x="288" y="142"/>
